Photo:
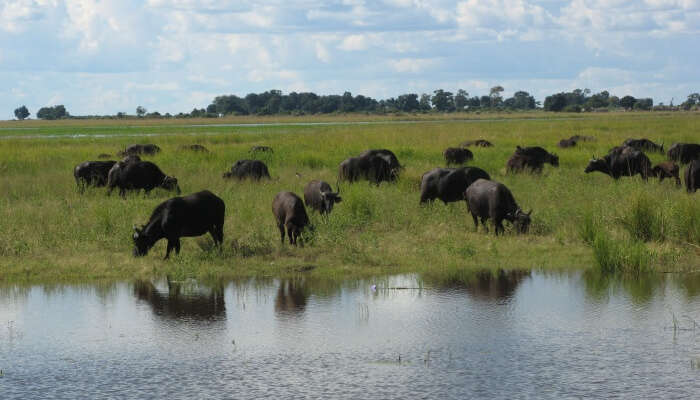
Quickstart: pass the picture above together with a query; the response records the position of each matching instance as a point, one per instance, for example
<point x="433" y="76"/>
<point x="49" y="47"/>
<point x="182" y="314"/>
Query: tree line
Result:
<point x="274" y="102"/>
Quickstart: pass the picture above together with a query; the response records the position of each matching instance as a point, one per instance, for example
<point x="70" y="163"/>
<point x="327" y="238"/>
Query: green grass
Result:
<point x="49" y="232"/>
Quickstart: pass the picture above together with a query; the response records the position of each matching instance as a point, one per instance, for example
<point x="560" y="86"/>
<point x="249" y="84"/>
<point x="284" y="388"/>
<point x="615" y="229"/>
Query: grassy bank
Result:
<point x="49" y="232"/>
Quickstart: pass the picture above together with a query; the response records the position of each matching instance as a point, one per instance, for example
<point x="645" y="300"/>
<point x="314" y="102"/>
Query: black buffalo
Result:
<point x="684" y="152"/>
<point x="186" y="216"/>
<point x="644" y="144"/>
<point x="138" y="149"/>
<point x="449" y="184"/>
<point x="532" y="158"/>
<point x="140" y="175"/>
<point x="92" y="173"/>
<point x="388" y="155"/>
<point x="194" y="147"/>
<point x="253" y="169"/>
<point x="457" y="155"/>
<point x="372" y="167"/>
<point x="478" y="143"/>
<point x="622" y="162"/>
<point x="666" y="169"/>
<point x="114" y="172"/>
<point x="692" y="176"/>
<point x="582" y="138"/>
<point x="290" y="213"/>
<point x="263" y="149"/>
<point x="319" y="196"/>
<point x="566" y="143"/>
<point x="104" y="155"/>
<point x="492" y="200"/>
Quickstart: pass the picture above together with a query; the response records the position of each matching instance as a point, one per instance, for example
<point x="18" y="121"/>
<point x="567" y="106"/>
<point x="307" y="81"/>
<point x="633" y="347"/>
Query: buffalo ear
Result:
<point x="137" y="229"/>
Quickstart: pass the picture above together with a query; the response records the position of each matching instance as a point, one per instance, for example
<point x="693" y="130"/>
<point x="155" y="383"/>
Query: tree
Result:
<point x="495" y="95"/>
<point x="644" y="104"/>
<point x="461" y="99"/>
<point x="55" y="112"/>
<point x="693" y="99"/>
<point x="140" y="111"/>
<point x="424" y="103"/>
<point x="443" y="101"/>
<point x="627" y="102"/>
<point x="521" y="100"/>
<point x="408" y="102"/>
<point x="555" y="102"/>
<point x="21" y="113"/>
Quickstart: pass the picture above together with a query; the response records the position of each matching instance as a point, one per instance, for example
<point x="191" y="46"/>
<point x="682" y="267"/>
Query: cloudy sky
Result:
<point x="106" y="56"/>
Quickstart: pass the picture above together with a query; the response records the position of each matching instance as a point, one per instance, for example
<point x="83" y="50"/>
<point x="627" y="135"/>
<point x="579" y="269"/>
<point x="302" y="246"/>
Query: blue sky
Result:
<point x="106" y="56"/>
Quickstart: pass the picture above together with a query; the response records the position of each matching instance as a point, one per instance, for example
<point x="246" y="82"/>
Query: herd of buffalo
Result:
<point x="202" y="212"/>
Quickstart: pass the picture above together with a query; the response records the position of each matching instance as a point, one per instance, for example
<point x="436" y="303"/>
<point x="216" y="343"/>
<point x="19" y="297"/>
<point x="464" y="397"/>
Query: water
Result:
<point x="514" y="335"/>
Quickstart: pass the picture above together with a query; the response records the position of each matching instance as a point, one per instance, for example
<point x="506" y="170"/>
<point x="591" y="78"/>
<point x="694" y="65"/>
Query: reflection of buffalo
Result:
<point x="291" y="297"/>
<point x="183" y="302"/>
<point x="496" y="285"/>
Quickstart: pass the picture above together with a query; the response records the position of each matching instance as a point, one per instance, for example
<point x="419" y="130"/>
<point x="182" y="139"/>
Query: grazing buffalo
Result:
<point x="449" y="184"/>
<point x="194" y="147"/>
<point x="565" y="143"/>
<point x="457" y="155"/>
<point x="92" y="173"/>
<point x="290" y="213"/>
<point x="582" y="138"/>
<point x="488" y="199"/>
<point x="532" y="158"/>
<point x="140" y="175"/>
<point x="388" y="155"/>
<point x="644" y="144"/>
<point x="373" y="167"/>
<point x="137" y="149"/>
<point x="692" y="176"/>
<point x="684" y="152"/>
<point x="263" y="149"/>
<point x="666" y="169"/>
<point x="318" y="195"/>
<point x="253" y="169"/>
<point x="104" y="155"/>
<point x="478" y="143"/>
<point x="186" y="216"/>
<point x="624" y="162"/>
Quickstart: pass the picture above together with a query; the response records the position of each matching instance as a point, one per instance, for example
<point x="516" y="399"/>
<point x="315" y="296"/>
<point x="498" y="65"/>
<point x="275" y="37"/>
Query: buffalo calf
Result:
<point x="319" y="196"/>
<point x="457" y="155"/>
<point x="290" y="214"/>
<point x="666" y="169"/>
<point x="253" y="169"/>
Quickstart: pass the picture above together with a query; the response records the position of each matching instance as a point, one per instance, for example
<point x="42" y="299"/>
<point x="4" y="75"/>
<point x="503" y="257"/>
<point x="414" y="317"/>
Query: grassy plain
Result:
<point x="51" y="233"/>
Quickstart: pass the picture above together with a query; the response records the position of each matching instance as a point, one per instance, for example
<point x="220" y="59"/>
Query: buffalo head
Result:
<point x="142" y="242"/>
<point x="170" y="183"/>
<point x="596" y="164"/>
<point x="329" y="199"/>
<point x="521" y="220"/>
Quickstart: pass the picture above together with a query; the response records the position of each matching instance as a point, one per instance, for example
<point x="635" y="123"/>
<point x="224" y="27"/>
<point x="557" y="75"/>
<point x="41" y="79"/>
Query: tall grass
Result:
<point x="49" y="230"/>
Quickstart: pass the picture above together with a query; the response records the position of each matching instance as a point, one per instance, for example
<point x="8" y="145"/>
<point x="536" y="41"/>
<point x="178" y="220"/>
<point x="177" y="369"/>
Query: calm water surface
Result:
<point x="510" y="335"/>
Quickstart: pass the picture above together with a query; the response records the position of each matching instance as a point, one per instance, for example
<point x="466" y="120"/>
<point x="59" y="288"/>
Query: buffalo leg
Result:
<point x="292" y="236"/>
<point x="483" y="223"/>
<point x="498" y="226"/>
<point x="168" y="249"/>
<point x="476" y="222"/>
<point x="217" y="232"/>
<point x="281" y="228"/>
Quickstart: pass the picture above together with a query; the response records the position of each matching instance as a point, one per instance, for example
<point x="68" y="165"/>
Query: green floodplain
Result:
<point x="49" y="232"/>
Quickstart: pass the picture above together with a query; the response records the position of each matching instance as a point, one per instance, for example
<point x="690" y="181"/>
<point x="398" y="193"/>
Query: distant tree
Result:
<point x="693" y="99"/>
<point x="555" y="102"/>
<point x="424" y="102"/>
<point x="461" y="99"/>
<point x="211" y="109"/>
<point x="443" y="101"/>
<point x="121" y="114"/>
<point x="140" y="111"/>
<point x="408" y="102"/>
<point x="521" y="100"/>
<point x="628" y="102"/>
<point x="495" y="95"/>
<point x="21" y="113"/>
<point x="347" y="102"/>
<point x="485" y="102"/>
<point x="55" y="112"/>
<point x="644" y="104"/>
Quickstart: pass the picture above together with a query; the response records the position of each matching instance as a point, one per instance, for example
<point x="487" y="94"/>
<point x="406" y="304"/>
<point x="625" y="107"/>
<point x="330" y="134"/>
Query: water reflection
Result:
<point x="291" y="298"/>
<point x="183" y="299"/>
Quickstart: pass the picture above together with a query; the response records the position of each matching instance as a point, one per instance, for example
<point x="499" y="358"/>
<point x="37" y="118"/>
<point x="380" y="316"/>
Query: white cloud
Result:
<point x="412" y="65"/>
<point x="354" y="43"/>
<point x="322" y="53"/>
